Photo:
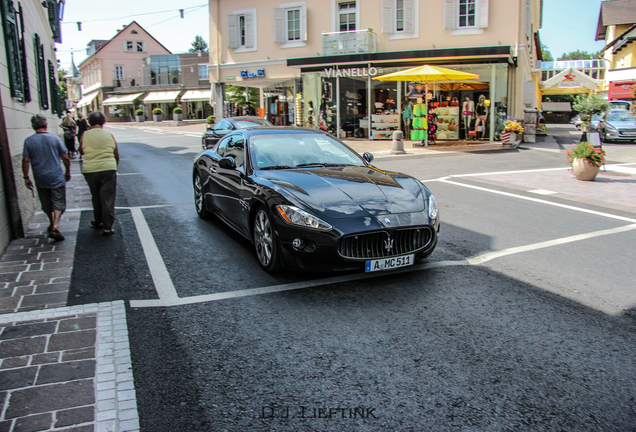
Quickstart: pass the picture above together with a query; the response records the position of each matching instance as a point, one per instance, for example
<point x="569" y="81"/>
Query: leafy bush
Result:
<point x="210" y="120"/>
<point x="592" y="104"/>
<point x="139" y="112"/>
<point x="585" y="150"/>
<point x="177" y="110"/>
<point x="157" y="111"/>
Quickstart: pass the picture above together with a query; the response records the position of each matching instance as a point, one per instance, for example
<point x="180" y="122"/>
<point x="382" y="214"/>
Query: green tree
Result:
<point x="580" y="55"/>
<point x="236" y="94"/>
<point x="546" y="55"/>
<point x="61" y="83"/>
<point x="198" y="44"/>
<point x="592" y="104"/>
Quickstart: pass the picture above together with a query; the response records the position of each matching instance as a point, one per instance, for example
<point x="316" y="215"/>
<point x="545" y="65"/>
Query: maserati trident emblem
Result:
<point x="388" y="221"/>
<point x="388" y="244"/>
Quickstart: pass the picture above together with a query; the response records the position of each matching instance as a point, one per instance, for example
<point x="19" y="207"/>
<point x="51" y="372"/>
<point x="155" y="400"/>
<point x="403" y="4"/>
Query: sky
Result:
<point x="102" y="19"/>
<point x="568" y="25"/>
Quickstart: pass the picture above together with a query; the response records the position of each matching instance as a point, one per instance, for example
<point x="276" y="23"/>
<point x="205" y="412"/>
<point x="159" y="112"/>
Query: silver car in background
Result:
<point x="618" y="125"/>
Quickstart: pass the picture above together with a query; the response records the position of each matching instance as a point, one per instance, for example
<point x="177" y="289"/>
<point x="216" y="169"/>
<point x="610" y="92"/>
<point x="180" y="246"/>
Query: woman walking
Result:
<point x="69" y="126"/>
<point x="101" y="157"/>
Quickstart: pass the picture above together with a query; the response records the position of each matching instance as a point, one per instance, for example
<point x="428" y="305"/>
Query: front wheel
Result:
<point x="603" y="136"/>
<point x="265" y="242"/>
<point x="199" y="198"/>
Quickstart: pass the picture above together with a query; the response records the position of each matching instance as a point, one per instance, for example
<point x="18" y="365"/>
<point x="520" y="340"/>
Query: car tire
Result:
<point x="604" y="137"/>
<point x="199" y="202"/>
<point x="265" y="241"/>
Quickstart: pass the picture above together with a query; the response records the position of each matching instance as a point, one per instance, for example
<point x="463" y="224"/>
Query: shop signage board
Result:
<point x="621" y="89"/>
<point x="352" y="72"/>
<point x="247" y="74"/>
<point x="570" y="84"/>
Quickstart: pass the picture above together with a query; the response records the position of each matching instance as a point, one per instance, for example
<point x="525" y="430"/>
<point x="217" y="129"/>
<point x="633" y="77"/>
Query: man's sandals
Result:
<point x="55" y="234"/>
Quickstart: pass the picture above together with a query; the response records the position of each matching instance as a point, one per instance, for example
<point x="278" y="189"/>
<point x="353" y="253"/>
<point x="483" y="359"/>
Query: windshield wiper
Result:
<point x="313" y="164"/>
<point x="275" y="167"/>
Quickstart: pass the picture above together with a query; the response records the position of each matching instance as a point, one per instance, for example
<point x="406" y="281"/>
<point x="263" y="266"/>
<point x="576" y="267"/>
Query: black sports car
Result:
<point x="229" y="124"/>
<point x="308" y="201"/>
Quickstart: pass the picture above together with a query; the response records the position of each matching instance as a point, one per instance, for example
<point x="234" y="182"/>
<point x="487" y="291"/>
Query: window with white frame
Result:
<point x="241" y="29"/>
<point x="119" y="72"/>
<point x="464" y="17"/>
<point x="290" y="24"/>
<point x="203" y="72"/>
<point x="399" y="18"/>
<point x="347" y="16"/>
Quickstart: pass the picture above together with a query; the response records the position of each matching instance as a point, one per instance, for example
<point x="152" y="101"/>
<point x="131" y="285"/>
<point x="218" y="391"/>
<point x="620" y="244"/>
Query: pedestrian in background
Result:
<point x="82" y="126"/>
<point x="43" y="151"/>
<point x="70" y="129"/>
<point x="101" y="157"/>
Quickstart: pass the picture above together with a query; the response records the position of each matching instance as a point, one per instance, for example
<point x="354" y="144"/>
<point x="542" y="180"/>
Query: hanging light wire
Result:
<point x="138" y="15"/>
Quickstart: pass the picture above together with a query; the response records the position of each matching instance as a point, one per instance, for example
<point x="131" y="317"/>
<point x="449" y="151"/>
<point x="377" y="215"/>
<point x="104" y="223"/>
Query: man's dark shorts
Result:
<point x="53" y="199"/>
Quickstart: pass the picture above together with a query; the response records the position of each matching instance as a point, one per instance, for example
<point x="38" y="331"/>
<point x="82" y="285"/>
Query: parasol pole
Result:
<point x="426" y="110"/>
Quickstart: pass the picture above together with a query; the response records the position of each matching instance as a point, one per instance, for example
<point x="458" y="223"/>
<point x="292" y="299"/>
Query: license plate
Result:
<point x="389" y="263"/>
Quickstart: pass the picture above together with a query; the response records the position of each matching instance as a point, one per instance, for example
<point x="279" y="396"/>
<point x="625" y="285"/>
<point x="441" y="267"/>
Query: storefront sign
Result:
<point x="247" y="74"/>
<point x="621" y="89"/>
<point x="570" y="84"/>
<point x="352" y="72"/>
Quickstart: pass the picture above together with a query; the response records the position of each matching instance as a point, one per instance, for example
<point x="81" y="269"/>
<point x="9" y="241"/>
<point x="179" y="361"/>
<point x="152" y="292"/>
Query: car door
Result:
<point x="208" y="165"/>
<point x="232" y="202"/>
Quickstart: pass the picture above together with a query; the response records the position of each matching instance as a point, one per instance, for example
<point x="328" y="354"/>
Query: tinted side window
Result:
<point x="222" y="125"/>
<point x="221" y="149"/>
<point x="236" y="149"/>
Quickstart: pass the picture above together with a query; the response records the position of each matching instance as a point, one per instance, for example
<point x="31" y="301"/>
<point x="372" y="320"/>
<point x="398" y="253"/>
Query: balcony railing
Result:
<point x="349" y="42"/>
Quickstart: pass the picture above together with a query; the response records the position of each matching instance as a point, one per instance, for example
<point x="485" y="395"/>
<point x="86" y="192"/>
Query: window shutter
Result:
<point x="125" y="46"/>
<point x="528" y="93"/>
<point x="387" y="17"/>
<point x="528" y="20"/>
<point x="54" y="90"/>
<point x="482" y="15"/>
<point x="249" y="30"/>
<point x="450" y="14"/>
<point x="303" y="23"/>
<point x="409" y="16"/>
<point x="38" y="50"/>
<point x="144" y="46"/>
<point x="54" y="20"/>
<point x="279" y="26"/>
<point x="9" y="25"/>
<point x="23" y="58"/>
<point x="232" y="31"/>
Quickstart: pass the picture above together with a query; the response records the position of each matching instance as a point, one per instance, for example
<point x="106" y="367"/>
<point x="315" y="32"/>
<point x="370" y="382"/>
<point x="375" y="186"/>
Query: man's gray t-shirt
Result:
<point x="44" y="150"/>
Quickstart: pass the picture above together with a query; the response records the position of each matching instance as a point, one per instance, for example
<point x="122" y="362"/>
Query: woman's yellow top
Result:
<point x="99" y="151"/>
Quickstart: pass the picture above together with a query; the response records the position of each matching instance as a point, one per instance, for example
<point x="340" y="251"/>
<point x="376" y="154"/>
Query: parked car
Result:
<point x="621" y="104"/>
<point x="308" y="201"/>
<point x="229" y="124"/>
<point x="618" y="125"/>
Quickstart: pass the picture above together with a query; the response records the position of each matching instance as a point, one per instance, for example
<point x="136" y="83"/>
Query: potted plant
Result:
<point x="177" y="114"/>
<point x="209" y="122"/>
<point x="157" y="115"/>
<point x="511" y="127"/>
<point x="586" y="160"/>
<point x="139" y="115"/>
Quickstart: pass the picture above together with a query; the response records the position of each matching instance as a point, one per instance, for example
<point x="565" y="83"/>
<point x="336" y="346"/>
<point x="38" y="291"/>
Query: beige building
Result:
<point x="315" y="59"/>
<point x="28" y="86"/>
<point x="114" y="64"/>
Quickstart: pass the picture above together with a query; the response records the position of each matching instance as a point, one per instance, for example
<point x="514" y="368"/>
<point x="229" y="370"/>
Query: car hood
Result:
<point x="347" y="192"/>
<point x="622" y="124"/>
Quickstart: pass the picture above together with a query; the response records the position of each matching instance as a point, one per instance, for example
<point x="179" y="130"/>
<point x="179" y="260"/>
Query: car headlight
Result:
<point x="609" y="126"/>
<point x="296" y="216"/>
<point x="432" y="207"/>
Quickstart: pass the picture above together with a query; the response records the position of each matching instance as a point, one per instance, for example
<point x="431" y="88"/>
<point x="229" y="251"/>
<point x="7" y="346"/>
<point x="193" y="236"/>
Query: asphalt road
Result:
<point x="522" y="319"/>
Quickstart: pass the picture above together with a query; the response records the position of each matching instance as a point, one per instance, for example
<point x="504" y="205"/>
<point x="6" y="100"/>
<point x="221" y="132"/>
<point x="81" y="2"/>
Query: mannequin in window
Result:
<point x="482" y="114"/>
<point x="502" y="112"/>
<point x="310" y="114"/>
<point x="407" y="116"/>
<point x="468" y="108"/>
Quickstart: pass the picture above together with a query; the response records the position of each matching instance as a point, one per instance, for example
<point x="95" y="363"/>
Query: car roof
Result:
<point x="239" y="118"/>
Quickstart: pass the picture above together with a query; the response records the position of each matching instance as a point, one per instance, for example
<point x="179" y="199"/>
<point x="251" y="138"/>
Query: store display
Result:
<point x="447" y="121"/>
<point x="383" y="125"/>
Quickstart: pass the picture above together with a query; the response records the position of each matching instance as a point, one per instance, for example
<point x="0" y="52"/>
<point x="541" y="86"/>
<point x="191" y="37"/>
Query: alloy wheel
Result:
<point x="263" y="238"/>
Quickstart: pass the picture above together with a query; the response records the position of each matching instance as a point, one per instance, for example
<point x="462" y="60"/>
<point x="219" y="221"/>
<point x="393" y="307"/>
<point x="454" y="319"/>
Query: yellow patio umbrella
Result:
<point x="427" y="74"/>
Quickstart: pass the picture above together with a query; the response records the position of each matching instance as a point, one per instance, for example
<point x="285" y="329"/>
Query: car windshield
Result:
<point x="299" y="150"/>
<point x="620" y="117"/>
<point x="244" y="124"/>
<point x="597" y="117"/>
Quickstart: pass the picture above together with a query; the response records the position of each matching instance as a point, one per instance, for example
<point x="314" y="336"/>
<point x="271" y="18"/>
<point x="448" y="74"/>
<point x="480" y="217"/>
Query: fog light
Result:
<point x="298" y="244"/>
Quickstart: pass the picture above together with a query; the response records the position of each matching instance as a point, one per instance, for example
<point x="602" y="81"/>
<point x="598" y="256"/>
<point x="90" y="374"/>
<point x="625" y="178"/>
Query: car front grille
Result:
<point x="384" y="244"/>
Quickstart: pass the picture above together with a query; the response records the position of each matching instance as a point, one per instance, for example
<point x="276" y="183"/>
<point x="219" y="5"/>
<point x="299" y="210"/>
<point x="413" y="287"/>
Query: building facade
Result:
<point x="28" y="86"/>
<point x="315" y="60"/>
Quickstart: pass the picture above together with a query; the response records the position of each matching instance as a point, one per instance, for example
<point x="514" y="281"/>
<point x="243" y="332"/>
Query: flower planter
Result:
<point x="177" y="117"/>
<point x="508" y="137"/>
<point x="140" y="119"/>
<point x="156" y="118"/>
<point x="583" y="170"/>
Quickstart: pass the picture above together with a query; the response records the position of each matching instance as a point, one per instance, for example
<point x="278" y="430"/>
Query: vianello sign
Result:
<point x="352" y="72"/>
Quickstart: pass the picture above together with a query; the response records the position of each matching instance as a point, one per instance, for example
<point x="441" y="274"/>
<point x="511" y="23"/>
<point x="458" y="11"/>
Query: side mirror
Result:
<point x="227" y="163"/>
<point x="367" y="157"/>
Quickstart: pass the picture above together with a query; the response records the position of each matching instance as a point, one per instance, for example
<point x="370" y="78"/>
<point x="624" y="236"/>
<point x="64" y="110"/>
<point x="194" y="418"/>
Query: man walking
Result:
<point x="43" y="151"/>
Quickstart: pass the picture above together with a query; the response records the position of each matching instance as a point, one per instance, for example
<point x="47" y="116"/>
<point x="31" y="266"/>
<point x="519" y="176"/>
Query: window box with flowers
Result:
<point x="586" y="160"/>
<point x="511" y="128"/>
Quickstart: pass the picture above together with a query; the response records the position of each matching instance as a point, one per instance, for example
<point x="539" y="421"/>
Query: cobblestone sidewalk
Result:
<point x="62" y="368"/>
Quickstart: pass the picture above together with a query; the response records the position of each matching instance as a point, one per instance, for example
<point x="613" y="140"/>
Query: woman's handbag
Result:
<point x="69" y="133"/>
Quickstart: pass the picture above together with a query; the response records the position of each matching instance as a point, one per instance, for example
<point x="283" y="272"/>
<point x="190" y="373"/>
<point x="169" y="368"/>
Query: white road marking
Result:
<point x="542" y="192"/>
<point x="555" y="204"/>
<point x="549" y="243"/>
<point x="158" y="271"/>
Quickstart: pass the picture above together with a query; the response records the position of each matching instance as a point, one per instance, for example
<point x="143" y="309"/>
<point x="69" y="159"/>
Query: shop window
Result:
<point x="465" y="16"/>
<point x="241" y="29"/>
<point x="347" y="16"/>
<point x="290" y="25"/>
<point x="38" y="50"/>
<point x="399" y="18"/>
